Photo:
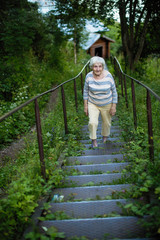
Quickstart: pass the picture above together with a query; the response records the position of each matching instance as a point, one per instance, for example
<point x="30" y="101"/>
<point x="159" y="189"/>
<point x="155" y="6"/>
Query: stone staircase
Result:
<point x="92" y="193"/>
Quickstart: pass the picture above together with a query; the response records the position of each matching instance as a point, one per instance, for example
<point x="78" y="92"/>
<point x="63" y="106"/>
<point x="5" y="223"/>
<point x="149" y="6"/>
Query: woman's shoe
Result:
<point x="94" y="146"/>
<point x="104" y="139"/>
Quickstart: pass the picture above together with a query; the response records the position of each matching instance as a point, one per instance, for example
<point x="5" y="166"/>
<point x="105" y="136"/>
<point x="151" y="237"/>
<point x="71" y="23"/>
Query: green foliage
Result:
<point x="27" y="37"/>
<point x="78" y="238"/>
<point x="50" y="234"/>
<point x="115" y="34"/>
<point x="148" y="72"/>
<point x="21" y="181"/>
<point x="144" y="172"/>
<point x="30" y="61"/>
<point x="42" y="78"/>
<point x="16" y="209"/>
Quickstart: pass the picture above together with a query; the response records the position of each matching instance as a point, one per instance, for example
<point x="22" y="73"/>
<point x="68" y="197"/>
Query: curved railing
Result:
<point x="122" y="81"/>
<point x="37" y="112"/>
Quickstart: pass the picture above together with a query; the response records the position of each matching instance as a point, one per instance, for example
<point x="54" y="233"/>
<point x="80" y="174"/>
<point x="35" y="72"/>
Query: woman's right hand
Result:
<point x="86" y="110"/>
<point x="86" y="107"/>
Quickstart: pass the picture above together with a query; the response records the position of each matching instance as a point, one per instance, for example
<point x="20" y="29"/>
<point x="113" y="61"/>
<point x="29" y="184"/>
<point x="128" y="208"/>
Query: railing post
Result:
<point x="119" y="75"/>
<point x="64" y="110"/>
<point x="40" y="141"/>
<point x="125" y="89"/>
<point x="121" y="79"/>
<point x="134" y="104"/>
<point x="75" y="94"/>
<point x="82" y="83"/>
<point x="114" y="63"/>
<point x="86" y="70"/>
<point x="150" y="128"/>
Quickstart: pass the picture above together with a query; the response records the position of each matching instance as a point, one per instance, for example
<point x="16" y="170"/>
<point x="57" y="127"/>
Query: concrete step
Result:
<point x="96" y="179"/>
<point x="102" y="151"/>
<point x="138" y="239"/>
<point x="113" y="128"/>
<point x="88" y="209"/>
<point x="108" y="146"/>
<point x="88" y="141"/>
<point x="102" y="168"/>
<point x="99" y="136"/>
<point x="98" y="228"/>
<point x="95" y="159"/>
<point x="113" y="132"/>
<point x="94" y="192"/>
<point x="104" y="145"/>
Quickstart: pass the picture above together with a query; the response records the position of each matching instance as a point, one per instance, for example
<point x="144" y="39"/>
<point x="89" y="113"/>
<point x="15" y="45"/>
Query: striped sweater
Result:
<point x="100" y="92"/>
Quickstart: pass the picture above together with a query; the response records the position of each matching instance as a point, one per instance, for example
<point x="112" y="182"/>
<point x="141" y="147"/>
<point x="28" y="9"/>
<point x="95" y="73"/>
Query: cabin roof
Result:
<point x="93" y="37"/>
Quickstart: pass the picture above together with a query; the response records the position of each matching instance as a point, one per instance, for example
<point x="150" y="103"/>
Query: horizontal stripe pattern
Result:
<point x="100" y="92"/>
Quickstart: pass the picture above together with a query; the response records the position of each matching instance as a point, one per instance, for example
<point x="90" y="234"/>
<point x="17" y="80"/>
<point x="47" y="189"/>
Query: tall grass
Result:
<point x="20" y="180"/>
<point x="144" y="172"/>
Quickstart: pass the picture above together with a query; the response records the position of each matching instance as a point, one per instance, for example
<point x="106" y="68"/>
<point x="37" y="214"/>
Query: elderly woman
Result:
<point x="100" y="96"/>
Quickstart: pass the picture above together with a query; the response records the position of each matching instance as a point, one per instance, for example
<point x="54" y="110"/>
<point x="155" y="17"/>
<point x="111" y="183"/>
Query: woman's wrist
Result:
<point x="85" y="103"/>
<point x="113" y="106"/>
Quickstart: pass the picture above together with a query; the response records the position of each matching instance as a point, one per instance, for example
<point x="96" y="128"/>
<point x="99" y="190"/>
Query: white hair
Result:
<point x="96" y="60"/>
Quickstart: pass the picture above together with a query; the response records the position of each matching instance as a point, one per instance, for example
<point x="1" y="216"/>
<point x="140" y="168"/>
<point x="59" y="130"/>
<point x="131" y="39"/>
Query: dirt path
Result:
<point x="11" y="151"/>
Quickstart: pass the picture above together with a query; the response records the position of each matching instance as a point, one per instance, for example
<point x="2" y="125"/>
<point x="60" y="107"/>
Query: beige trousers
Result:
<point x="93" y="113"/>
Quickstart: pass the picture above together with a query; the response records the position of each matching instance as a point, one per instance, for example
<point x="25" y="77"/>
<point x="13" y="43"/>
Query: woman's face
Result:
<point x="97" y="69"/>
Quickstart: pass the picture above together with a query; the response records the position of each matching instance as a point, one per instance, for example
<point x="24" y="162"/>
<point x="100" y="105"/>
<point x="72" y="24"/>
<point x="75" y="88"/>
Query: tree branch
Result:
<point x="142" y="38"/>
<point x="137" y="27"/>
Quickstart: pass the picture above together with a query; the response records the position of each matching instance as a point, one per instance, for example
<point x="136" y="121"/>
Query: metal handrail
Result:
<point x="37" y="113"/>
<point x="122" y="77"/>
<point x="40" y="95"/>
<point x="140" y="83"/>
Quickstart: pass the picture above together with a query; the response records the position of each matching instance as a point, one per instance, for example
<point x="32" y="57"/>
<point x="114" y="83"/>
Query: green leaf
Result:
<point x="144" y="189"/>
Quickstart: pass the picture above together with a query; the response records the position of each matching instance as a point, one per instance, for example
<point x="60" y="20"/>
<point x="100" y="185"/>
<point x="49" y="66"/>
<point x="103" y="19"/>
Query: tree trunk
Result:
<point x="133" y="30"/>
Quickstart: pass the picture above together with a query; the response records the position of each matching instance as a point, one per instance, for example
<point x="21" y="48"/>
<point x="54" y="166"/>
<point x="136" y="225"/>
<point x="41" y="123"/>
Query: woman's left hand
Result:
<point x="112" y="111"/>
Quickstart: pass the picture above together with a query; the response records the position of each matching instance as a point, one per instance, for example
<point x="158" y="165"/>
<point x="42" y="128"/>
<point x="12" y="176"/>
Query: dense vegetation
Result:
<point x="35" y="55"/>
<point x="143" y="171"/>
<point x="21" y="181"/>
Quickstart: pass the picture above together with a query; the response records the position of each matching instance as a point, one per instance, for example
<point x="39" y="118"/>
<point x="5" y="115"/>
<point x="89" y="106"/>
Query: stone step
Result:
<point x="87" y="141"/>
<point x="104" y="145"/>
<point x="95" y="159"/>
<point x="103" y="168"/>
<point x="88" y="209"/>
<point x="113" y="128"/>
<point x="94" y="192"/>
<point x="113" y="131"/>
<point x="102" y="151"/>
<point x="96" y="179"/>
<point x="138" y="239"/>
<point x="113" y="134"/>
<point x="109" y="145"/>
<point x="98" y="228"/>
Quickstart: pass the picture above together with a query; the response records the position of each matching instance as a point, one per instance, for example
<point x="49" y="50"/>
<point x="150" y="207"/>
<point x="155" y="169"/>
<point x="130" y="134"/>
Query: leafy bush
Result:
<point x="144" y="172"/>
<point x="21" y="181"/>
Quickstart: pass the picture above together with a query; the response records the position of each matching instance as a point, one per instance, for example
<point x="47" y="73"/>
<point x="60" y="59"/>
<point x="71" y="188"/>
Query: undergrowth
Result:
<point x="20" y="180"/>
<point x="145" y="173"/>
